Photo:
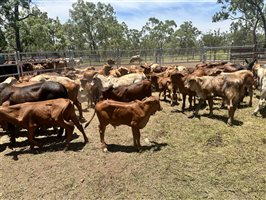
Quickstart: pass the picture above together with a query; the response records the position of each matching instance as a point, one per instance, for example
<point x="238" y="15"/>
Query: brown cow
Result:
<point x="228" y="87"/>
<point x="32" y="115"/>
<point x="71" y="86"/>
<point x="135" y="114"/>
<point x="164" y="85"/>
<point x="178" y="83"/>
<point x="127" y="93"/>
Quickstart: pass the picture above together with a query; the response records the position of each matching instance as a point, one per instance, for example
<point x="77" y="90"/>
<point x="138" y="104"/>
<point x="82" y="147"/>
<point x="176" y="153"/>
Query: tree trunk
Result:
<point x="255" y="37"/>
<point x="16" y="28"/>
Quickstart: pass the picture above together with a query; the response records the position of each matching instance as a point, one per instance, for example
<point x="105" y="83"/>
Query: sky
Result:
<point x="135" y="13"/>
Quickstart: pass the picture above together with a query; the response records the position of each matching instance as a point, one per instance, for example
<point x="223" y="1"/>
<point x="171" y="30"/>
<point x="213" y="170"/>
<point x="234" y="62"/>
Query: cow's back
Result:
<point x="36" y="92"/>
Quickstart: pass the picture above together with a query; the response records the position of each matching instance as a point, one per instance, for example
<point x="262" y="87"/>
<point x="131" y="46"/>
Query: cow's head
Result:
<point x="154" y="104"/>
<point x="191" y="83"/>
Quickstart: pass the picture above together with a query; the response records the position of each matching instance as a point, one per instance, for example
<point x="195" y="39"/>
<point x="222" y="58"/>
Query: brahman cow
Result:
<point x="261" y="103"/>
<point x="135" y="114"/>
<point x="178" y="79"/>
<point x="247" y="78"/>
<point x="135" y="58"/>
<point x="71" y="86"/>
<point x="103" y="83"/>
<point x="134" y="91"/>
<point x="32" y="115"/>
<point x="164" y="85"/>
<point x="228" y="87"/>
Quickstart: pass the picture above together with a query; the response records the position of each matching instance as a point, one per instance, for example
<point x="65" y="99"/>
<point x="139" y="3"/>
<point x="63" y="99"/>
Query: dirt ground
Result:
<point x="182" y="158"/>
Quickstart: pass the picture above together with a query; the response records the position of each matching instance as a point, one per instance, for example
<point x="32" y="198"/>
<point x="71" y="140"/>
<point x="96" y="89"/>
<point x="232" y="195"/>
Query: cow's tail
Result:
<point x="87" y="124"/>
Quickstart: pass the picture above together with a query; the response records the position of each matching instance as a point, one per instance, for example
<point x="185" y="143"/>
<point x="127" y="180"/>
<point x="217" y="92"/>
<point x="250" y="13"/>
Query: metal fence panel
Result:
<point x="122" y="57"/>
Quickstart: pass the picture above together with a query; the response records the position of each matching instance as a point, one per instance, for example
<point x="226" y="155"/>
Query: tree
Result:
<point x="156" y="33"/>
<point x="187" y="35"/>
<point x="133" y="37"/>
<point x="94" y="24"/>
<point x="13" y="16"/>
<point x="249" y="12"/>
<point x="214" y="39"/>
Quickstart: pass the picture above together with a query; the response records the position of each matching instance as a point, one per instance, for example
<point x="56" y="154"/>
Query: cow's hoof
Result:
<point x="254" y="114"/>
<point x="105" y="150"/>
<point x="229" y="123"/>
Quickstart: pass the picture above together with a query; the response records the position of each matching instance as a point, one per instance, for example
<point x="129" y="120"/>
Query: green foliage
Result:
<point x="215" y="39"/>
<point x="156" y="33"/>
<point x="12" y="13"/>
<point x="3" y="42"/>
<point x="187" y="35"/>
<point x="247" y="16"/>
<point x="94" y="26"/>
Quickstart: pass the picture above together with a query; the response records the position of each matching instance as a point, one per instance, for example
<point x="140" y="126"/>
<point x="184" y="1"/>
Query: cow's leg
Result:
<point x="164" y="94"/>
<point x="178" y="95"/>
<point x="31" y="134"/>
<point x="223" y="102"/>
<point x="69" y="133"/>
<point x="196" y="112"/>
<point x="173" y="98"/>
<point x="78" y="104"/>
<point x="11" y="131"/>
<point x="102" y="130"/>
<point x="231" y="112"/>
<point x="74" y="119"/>
<point x="136" y="138"/>
<point x="260" y="106"/>
<point x="184" y="102"/>
<point x="210" y="102"/>
<point x="160" y="92"/>
<point x="190" y="98"/>
<point x="250" y="91"/>
<point x="59" y="132"/>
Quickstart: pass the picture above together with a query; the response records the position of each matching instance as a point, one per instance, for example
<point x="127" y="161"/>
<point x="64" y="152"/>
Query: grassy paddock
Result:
<point x="182" y="159"/>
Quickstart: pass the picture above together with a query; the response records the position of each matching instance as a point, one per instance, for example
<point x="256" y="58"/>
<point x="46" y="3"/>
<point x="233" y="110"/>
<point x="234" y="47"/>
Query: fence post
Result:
<point x="19" y="63"/>
<point x="161" y="56"/>
<point x="118" y="61"/>
<point x="203" y="54"/>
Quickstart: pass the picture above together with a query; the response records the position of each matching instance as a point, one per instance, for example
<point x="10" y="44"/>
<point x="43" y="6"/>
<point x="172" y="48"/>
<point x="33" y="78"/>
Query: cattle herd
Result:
<point x="122" y="96"/>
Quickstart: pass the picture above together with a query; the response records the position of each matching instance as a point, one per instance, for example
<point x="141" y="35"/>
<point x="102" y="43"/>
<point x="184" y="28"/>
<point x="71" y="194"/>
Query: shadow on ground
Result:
<point x="50" y="144"/>
<point x="131" y="149"/>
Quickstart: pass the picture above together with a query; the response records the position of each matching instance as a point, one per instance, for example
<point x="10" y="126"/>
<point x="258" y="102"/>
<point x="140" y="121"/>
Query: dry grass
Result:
<point x="182" y="159"/>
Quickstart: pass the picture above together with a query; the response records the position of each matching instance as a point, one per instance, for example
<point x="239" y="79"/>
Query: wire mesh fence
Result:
<point x="19" y="63"/>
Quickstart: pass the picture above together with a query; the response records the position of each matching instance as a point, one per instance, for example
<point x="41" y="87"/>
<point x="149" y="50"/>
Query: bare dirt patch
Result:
<point x="182" y="159"/>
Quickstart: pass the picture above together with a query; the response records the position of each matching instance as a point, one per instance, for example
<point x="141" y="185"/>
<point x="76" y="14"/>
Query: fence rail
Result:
<point x="122" y="57"/>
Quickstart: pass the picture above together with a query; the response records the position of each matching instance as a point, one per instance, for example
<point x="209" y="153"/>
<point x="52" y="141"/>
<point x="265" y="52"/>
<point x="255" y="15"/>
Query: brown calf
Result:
<point x="32" y="115"/>
<point x="135" y="114"/>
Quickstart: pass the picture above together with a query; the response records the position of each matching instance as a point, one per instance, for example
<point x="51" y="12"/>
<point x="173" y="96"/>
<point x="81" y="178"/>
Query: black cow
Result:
<point x="11" y="95"/>
<point x="128" y="93"/>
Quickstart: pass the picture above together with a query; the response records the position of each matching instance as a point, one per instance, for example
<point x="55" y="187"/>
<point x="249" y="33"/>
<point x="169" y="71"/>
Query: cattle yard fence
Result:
<point x="21" y="63"/>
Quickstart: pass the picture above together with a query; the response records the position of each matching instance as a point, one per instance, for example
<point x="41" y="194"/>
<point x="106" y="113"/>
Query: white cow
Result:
<point x="262" y="99"/>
